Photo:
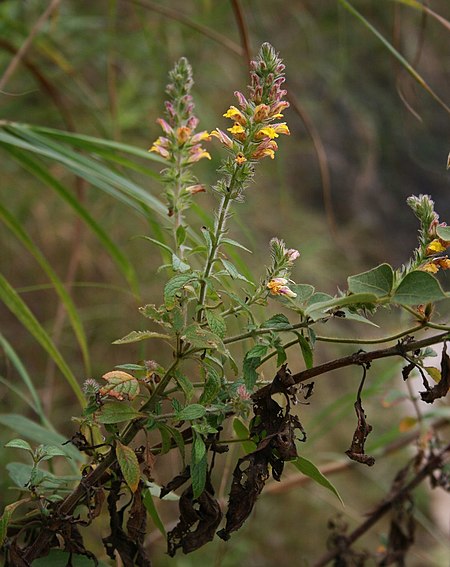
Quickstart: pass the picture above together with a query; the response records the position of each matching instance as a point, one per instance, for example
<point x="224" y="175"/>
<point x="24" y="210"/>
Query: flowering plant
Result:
<point x="186" y="401"/>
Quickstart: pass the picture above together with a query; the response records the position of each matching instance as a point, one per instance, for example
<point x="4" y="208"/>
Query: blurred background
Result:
<point x="364" y="136"/>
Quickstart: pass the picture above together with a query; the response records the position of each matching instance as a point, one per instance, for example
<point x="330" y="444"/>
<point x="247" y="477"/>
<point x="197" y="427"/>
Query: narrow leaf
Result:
<point x="309" y="469"/>
<point x="243" y="434"/>
<point x="129" y="465"/>
<point x="153" y="512"/>
<point x="136" y="336"/>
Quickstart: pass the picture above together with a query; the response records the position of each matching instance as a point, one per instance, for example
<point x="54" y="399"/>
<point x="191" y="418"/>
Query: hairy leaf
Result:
<point x="128" y="464"/>
<point x="120" y="385"/>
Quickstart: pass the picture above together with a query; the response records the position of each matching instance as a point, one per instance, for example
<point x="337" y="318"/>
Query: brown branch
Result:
<point x="94" y="479"/>
<point x="243" y="29"/>
<point x="386" y="505"/>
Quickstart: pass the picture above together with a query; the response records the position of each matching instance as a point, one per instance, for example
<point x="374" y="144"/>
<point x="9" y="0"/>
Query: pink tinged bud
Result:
<point x="292" y="254"/>
<point x="224" y="138"/>
<point x="170" y="109"/>
<point x="183" y="134"/>
<point x="200" y="137"/>
<point x="277" y="108"/>
<point x="243" y="103"/>
<point x="243" y="393"/>
<point x="192" y="123"/>
<point x="277" y="286"/>
<point x="261" y="112"/>
<point x="164" y="125"/>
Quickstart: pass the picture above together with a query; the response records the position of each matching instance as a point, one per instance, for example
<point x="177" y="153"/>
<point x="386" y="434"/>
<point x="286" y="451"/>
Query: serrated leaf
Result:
<point x="129" y="465"/>
<point x="186" y="385"/>
<point x="309" y="469"/>
<point x="120" y="385"/>
<point x="212" y="387"/>
<point x="257" y="351"/>
<point x="173" y="286"/>
<point x="418" y="288"/>
<point x="178" y="265"/>
<point x="242" y="434"/>
<point x="193" y="411"/>
<point x="116" y="412"/>
<point x="216" y="323"/>
<point x="378" y="281"/>
<point x="200" y="338"/>
<point x="443" y="232"/>
<point x="136" y="336"/>
<point x="19" y="444"/>
<point x="277" y="322"/>
<point x="152" y="510"/>
<point x="6" y="518"/>
<point x="151" y="312"/>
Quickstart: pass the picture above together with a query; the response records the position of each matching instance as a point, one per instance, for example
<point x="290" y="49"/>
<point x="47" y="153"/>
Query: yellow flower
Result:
<point x="435" y="247"/>
<point x="444" y="263"/>
<point x="277" y="286"/>
<point x="267" y="132"/>
<point x="261" y="112"/>
<point x="236" y="115"/>
<point x="240" y="158"/>
<point x="236" y="129"/>
<point x="183" y="134"/>
<point x="224" y="138"/>
<point x="431" y="267"/>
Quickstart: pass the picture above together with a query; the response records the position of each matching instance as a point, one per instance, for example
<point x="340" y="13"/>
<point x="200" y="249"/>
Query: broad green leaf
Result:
<point x="216" y="323"/>
<point x="303" y="291"/>
<point x="316" y="309"/>
<point x="129" y="465"/>
<point x="58" y="558"/>
<point x="117" y="412"/>
<point x="417" y="288"/>
<point x="257" y="351"/>
<point x="6" y="517"/>
<point x="65" y="297"/>
<point x="434" y="373"/>
<point x="378" y="281"/>
<point x="16" y="305"/>
<point x="309" y="469"/>
<point x="50" y="451"/>
<point x="193" y="411"/>
<point x="251" y="362"/>
<point x="443" y="232"/>
<point x="175" y="434"/>
<point x="153" y="512"/>
<point x="201" y="338"/>
<point x="136" y="336"/>
<point x="174" y="285"/>
<point x="234" y="243"/>
<point x="21" y="474"/>
<point x="19" y="444"/>
<point x="198" y="448"/>
<point x="242" y="433"/>
<point x="277" y="322"/>
<point x="120" y="385"/>
<point x="35" y="432"/>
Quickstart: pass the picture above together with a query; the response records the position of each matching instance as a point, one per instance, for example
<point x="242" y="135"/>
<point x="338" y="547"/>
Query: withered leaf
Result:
<point x="199" y="519"/>
<point x="440" y="389"/>
<point x="357" y="451"/>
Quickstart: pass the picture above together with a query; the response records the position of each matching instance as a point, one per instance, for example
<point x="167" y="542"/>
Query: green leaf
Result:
<point x="174" y="285"/>
<point x="243" y="434"/>
<point x="212" y="387"/>
<point x="307" y="351"/>
<point x="129" y="465"/>
<point x="35" y="432"/>
<point x="50" y="451"/>
<point x="303" y="291"/>
<point x="120" y="385"/>
<point x="175" y="434"/>
<point x="417" y="288"/>
<point x="198" y="448"/>
<point x="277" y="322"/>
<point x="200" y="338"/>
<point x="193" y="411"/>
<point x="378" y="281"/>
<point x="216" y="323"/>
<point x="152" y="510"/>
<point x="19" y="444"/>
<point x="186" y="385"/>
<point x="178" y="265"/>
<point x="251" y="362"/>
<point x="234" y="243"/>
<point x="15" y="304"/>
<point x="158" y="243"/>
<point x="198" y="476"/>
<point x="136" y="336"/>
<point x="64" y="296"/>
<point x="21" y="474"/>
<point x="309" y="469"/>
<point x="58" y="558"/>
<point x="6" y="518"/>
<point x="116" y="412"/>
<point x="316" y="310"/>
<point x="443" y="232"/>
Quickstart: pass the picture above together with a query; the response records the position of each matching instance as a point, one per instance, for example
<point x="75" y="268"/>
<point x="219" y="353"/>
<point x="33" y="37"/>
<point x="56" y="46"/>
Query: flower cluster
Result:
<point x="430" y="242"/>
<point x="252" y="136"/>
<point x="180" y="145"/>
<point x="278" y="273"/>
